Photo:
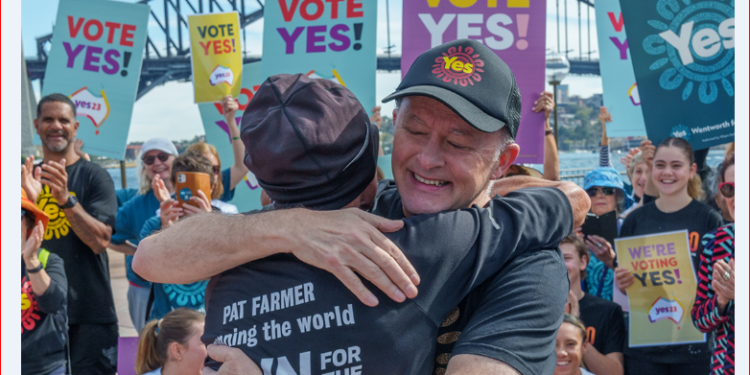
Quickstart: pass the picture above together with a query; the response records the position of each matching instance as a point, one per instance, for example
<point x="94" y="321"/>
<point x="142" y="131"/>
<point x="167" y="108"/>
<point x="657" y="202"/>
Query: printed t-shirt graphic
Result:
<point x="289" y="316"/>
<point x="90" y="298"/>
<point x="30" y="313"/>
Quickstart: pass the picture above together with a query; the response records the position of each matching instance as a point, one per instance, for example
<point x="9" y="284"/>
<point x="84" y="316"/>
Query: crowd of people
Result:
<point x="463" y="263"/>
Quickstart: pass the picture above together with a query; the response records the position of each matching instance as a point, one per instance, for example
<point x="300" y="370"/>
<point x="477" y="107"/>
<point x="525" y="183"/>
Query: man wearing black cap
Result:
<point x="441" y="162"/>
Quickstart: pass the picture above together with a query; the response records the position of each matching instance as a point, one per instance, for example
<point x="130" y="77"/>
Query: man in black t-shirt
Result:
<point x="604" y="320"/>
<point x="452" y="142"/>
<point x="80" y="198"/>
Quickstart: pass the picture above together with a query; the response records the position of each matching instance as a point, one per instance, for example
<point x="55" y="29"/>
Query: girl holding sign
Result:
<point x="714" y="300"/>
<point x="673" y="175"/>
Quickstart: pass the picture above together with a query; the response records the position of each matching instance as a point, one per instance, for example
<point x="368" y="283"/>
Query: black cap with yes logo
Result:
<point x="471" y="79"/>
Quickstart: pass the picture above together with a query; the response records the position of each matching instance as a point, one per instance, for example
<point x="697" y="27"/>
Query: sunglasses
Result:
<point x="150" y="159"/>
<point x="23" y="213"/>
<point x="727" y="189"/>
<point x="606" y="191"/>
<point x="217" y="169"/>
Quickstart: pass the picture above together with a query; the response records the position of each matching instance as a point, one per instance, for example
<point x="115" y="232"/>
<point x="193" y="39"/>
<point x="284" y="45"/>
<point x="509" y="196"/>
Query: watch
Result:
<point x="35" y="269"/>
<point x="72" y="201"/>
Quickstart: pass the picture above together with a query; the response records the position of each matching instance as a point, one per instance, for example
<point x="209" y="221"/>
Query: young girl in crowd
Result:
<point x="172" y="345"/>
<point x="714" y="300"/>
<point x="673" y="176"/>
<point x="570" y="347"/>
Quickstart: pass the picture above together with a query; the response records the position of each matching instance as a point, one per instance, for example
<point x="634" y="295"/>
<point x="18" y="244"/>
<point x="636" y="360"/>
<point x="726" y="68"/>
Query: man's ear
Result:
<point x="507" y="158"/>
<point x="36" y="126"/>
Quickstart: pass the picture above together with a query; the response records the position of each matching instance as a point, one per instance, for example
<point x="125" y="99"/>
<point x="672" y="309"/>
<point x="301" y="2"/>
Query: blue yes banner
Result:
<point x="95" y="59"/>
<point x="618" y="80"/>
<point x="683" y="57"/>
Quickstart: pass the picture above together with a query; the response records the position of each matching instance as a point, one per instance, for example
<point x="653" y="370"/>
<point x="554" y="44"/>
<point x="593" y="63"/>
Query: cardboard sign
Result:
<point x="216" y="57"/>
<point x="247" y="193"/>
<point x="664" y="290"/>
<point x="324" y="39"/>
<point x="95" y="59"/>
<point x="621" y="95"/>
<point x="514" y="29"/>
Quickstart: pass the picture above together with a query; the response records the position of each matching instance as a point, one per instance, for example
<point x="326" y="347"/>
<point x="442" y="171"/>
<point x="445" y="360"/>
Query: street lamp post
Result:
<point x="558" y="68"/>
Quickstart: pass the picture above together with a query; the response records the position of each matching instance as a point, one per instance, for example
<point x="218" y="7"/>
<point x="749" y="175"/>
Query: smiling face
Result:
<point x="56" y="126"/>
<point x="672" y="171"/>
<point x="161" y="168"/>
<point x="569" y="348"/>
<point x="638" y="179"/>
<point x="729" y="177"/>
<point x="440" y="162"/>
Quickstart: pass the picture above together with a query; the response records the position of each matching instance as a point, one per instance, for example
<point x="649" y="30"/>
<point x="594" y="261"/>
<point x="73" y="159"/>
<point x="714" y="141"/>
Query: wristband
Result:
<point x="36" y="269"/>
<point x="548" y="132"/>
<point x="235" y="138"/>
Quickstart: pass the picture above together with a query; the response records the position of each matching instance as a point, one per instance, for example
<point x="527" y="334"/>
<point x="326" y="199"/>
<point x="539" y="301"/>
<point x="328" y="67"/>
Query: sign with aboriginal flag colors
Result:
<point x="331" y="39"/>
<point x="618" y="79"/>
<point x="216" y="58"/>
<point x="514" y="29"/>
<point x="663" y="291"/>
<point x="683" y="59"/>
<point x="247" y="193"/>
<point x="95" y="59"/>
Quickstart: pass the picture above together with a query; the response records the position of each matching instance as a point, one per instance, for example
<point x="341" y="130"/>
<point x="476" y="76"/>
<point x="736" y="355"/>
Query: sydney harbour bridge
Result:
<point x="167" y="54"/>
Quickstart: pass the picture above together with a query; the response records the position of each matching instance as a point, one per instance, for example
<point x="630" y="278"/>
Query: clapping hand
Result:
<point x="31" y="179"/>
<point x="723" y="282"/>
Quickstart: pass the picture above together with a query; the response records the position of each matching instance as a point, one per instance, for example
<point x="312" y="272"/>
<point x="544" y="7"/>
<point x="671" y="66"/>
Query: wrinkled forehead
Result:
<point x="434" y="114"/>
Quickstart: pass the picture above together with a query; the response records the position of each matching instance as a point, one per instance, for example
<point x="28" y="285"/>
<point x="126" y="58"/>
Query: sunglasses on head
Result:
<point x="150" y="159"/>
<point x="727" y="189"/>
<point x="606" y="191"/>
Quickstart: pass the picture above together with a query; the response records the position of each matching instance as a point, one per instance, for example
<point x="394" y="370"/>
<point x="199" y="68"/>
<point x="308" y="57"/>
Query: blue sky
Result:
<point x="169" y="111"/>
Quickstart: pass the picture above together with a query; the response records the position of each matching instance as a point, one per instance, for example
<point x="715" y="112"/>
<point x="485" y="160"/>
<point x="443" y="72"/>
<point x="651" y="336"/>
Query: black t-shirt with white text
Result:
<point x="290" y="317"/>
<point x="605" y="324"/>
<point x="89" y="292"/>
<point x="698" y="219"/>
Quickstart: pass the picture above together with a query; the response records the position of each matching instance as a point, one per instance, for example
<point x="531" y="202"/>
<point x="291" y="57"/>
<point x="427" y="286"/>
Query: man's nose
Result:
<point x="431" y="155"/>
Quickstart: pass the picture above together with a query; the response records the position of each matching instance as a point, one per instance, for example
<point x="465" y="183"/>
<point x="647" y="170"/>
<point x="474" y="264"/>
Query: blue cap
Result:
<point x="607" y="177"/>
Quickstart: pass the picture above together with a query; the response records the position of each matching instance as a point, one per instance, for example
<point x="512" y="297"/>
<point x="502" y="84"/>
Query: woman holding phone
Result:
<point x="229" y="178"/>
<point x="606" y="190"/>
<point x="714" y="300"/>
<point x="673" y="176"/>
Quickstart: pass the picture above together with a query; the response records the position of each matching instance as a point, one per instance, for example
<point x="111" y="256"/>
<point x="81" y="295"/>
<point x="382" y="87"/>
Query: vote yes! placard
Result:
<point x="215" y="56"/>
<point x="663" y="292"/>
<point x="95" y="59"/>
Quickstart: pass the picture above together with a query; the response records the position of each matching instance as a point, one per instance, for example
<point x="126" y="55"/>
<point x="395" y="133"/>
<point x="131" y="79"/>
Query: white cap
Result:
<point x="161" y="144"/>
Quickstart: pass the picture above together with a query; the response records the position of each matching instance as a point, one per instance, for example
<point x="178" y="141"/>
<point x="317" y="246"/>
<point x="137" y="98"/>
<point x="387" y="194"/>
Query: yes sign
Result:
<point x="704" y="42"/>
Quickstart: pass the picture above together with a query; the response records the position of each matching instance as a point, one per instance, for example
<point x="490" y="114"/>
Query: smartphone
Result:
<point x="189" y="183"/>
<point x="604" y="226"/>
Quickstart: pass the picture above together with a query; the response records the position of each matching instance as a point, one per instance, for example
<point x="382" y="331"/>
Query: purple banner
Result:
<point x="514" y="29"/>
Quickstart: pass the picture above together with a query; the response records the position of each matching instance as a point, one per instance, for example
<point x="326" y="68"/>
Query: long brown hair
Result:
<point x="695" y="186"/>
<point x="157" y="335"/>
<point x="206" y="148"/>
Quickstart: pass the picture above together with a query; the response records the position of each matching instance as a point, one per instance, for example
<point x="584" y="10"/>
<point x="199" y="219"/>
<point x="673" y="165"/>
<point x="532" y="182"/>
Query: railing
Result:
<point x="577" y="175"/>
